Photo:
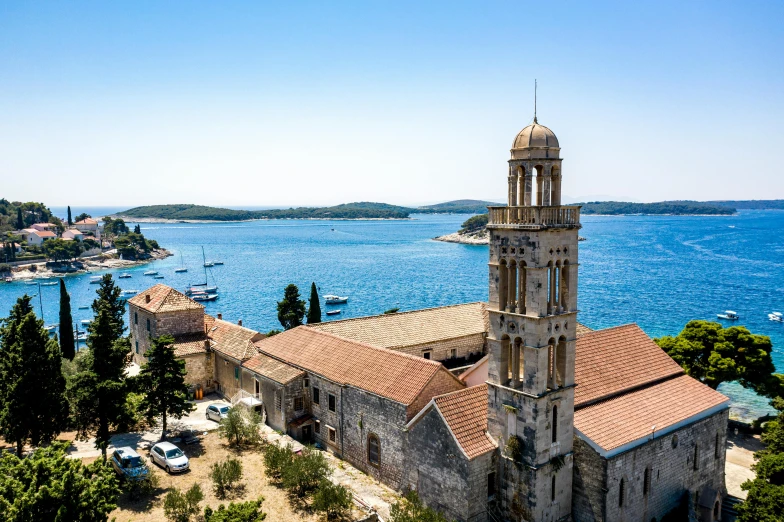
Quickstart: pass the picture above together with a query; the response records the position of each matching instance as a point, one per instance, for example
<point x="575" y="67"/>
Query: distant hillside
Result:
<point x="681" y="208"/>
<point x="187" y="212"/>
<point x="460" y="206"/>
<point x="752" y="204"/>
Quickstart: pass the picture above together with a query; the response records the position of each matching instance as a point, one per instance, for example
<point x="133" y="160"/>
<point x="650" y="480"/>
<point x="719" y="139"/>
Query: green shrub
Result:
<point x="137" y="489"/>
<point x="239" y="512"/>
<point x="331" y="499"/>
<point x="4" y="268"/>
<point x="514" y="448"/>
<point x="179" y="507"/>
<point x="305" y="472"/>
<point x="225" y="476"/>
<point x="276" y="459"/>
<point x="241" y="427"/>
<point x="411" y="509"/>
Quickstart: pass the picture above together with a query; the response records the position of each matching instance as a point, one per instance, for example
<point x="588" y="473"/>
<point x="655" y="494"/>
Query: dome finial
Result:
<point x="535" y="101"/>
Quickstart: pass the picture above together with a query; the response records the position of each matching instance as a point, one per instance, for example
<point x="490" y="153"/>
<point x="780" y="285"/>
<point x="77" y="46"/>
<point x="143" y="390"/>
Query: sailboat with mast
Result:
<point x="182" y="268"/>
<point x="202" y="291"/>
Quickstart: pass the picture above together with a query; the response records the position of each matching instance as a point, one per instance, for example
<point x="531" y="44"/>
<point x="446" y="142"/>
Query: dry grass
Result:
<point x="202" y="456"/>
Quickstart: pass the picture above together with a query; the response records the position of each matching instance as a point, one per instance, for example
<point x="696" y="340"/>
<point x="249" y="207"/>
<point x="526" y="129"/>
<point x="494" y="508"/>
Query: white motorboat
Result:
<point x="130" y="292"/>
<point x="203" y="296"/>
<point x="333" y="312"/>
<point x="49" y="283"/>
<point x="335" y="299"/>
<point x="51" y="328"/>
<point x="95" y="280"/>
<point x="729" y="315"/>
<point x="151" y="273"/>
<point x="86" y="321"/>
<point x="157" y="276"/>
<point x="180" y="270"/>
<point x="776" y="316"/>
<point x="84" y="308"/>
<point x="125" y="275"/>
<point x="209" y="264"/>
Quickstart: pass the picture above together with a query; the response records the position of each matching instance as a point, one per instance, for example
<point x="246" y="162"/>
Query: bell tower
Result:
<point x="533" y="319"/>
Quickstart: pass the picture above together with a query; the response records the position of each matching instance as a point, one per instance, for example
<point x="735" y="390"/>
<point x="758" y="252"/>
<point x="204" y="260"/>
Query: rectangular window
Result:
<point x="317" y="426"/>
<point x="137" y="346"/>
<point x="453" y="353"/>
<point x="491" y="485"/>
<point x="307" y="382"/>
<point x="427" y="355"/>
<point x="299" y="404"/>
<point x="332" y="402"/>
<point x="136" y="318"/>
<point x="315" y="395"/>
<point x="237" y="372"/>
<point x="278" y="401"/>
<point x="333" y="435"/>
<point x="696" y="457"/>
<point x="148" y="325"/>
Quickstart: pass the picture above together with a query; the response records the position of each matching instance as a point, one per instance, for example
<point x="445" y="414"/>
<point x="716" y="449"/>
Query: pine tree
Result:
<point x="19" y="220"/>
<point x="33" y="406"/>
<point x="67" y="344"/>
<point x="98" y="394"/>
<point x="314" y="306"/>
<point x="291" y="310"/>
<point x="70" y="222"/>
<point x="162" y="380"/>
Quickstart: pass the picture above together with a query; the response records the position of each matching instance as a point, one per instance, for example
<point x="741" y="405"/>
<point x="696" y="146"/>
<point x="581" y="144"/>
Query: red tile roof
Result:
<point x="189" y="344"/>
<point x="231" y="339"/>
<point x="44" y="233"/>
<point x="624" y="419"/>
<point x="87" y="221"/>
<point x="616" y="360"/>
<point x="465" y="412"/>
<point x="164" y="299"/>
<point x="387" y="373"/>
<point x="271" y="368"/>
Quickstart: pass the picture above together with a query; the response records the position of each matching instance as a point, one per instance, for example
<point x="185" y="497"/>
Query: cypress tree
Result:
<point x="69" y="216"/>
<point x="291" y="310"/>
<point x="67" y="344"/>
<point x="33" y="406"/>
<point x="314" y="306"/>
<point x="98" y="394"/>
<point x="162" y="380"/>
<point x="19" y="220"/>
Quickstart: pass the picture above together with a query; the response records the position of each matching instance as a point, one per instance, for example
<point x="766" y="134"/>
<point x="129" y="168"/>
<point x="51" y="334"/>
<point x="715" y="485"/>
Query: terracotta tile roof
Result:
<point x="272" y="368"/>
<point x="412" y="328"/>
<point x="394" y="375"/>
<point x="231" y="339"/>
<point x="465" y="412"/>
<point x="616" y="360"/>
<point x="164" y="299"/>
<point x="582" y="330"/>
<point x="87" y="221"/>
<point x="614" y="423"/>
<point x="44" y="233"/>
<point x="189" y="344"/>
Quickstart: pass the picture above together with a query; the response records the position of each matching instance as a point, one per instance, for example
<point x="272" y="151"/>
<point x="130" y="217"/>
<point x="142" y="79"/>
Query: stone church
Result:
<point x="546" y="420"/>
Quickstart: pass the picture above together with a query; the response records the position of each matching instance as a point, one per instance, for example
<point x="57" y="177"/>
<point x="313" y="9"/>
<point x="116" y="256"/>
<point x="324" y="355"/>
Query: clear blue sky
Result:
<point x="289" y="103"/>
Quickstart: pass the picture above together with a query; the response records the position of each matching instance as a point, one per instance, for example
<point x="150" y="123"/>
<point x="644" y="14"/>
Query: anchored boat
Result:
<point x="729" y="315"/>
<point x="335" y="299"/>
<point x="777" y="317"/>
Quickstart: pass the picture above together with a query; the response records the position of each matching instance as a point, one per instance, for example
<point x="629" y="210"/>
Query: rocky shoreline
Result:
<point x="103" y="261"/>
<point x="470" y="238"/>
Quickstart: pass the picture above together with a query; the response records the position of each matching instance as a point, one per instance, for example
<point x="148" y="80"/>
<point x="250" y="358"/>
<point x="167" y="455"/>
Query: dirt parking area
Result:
<point x="202" y="456"/>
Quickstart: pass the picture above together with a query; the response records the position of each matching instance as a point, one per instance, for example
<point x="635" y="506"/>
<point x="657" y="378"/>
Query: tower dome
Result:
<point x="535" y="141"/>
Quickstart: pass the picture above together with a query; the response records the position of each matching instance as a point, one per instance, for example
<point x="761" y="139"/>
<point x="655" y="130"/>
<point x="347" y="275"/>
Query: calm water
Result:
<point x="659" y="272"/>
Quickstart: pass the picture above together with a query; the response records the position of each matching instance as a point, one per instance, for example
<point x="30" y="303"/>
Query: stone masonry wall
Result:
<point x="443" y="382"/>
<point x="672" y="473"/>
<point x="171" y="323"/>
<point x="590" y="477"/>
<point x="227" y="383"/>
<point x="442" y="350"/>
<point x="325" y="417"/>
<point x="199" y="368"/>
<point x="443" y="477"/>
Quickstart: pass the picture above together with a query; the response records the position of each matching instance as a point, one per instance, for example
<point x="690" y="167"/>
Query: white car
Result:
<point x="217" y="412"/>
<point x="169" y="457"/>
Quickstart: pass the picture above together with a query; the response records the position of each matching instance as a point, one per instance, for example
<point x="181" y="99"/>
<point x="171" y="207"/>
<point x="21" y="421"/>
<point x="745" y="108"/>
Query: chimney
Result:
<point x="207" y="344"/>
<point x="147" y="298"/>
<point x="239" y="323"/>
<point x="220" y="316"/>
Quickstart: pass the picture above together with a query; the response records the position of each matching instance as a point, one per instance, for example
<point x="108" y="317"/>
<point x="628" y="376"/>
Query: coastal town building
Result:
<point x="551" y="422"/>
<point x="73" y="233"/>
<point x="88" y="226"/>
<point x="37" y="237"/>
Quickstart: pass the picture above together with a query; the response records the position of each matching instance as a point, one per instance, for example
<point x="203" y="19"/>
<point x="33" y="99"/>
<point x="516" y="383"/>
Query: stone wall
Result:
<point x="226" y="379"/>
<point x="589" y="479"/>
<point x="443" y="382"/>
<point x="442" y="350"/>
<point x="170" y="323"/>
<point x="444" y="478"/>
<point x="199" y="368"/>
<point x="180" y="322"/>
<point x="671" y="468"/>
<point x="325" y="417"/>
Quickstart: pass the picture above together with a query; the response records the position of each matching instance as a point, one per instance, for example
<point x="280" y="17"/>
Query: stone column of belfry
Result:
<point x="556" y="182"/>
<point x="551" y="304"/>
<point x="546" y="187"/>
<point x="554" y="347"/>
<point x="529" y="183"/>
<point x="512" y="286"/>
<point x="521" y="288"/>
<point x="512" y="189"/>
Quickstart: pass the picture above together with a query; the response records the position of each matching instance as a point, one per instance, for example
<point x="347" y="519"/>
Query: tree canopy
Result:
<point x="314" y="306"/>
<point x="713" y="354"/>
<point x="33" y="406"/>
<point x="291" y="310"/>
<point x="48" y="486"/>
<point x="162" y="380"/>
<point x="765" y="501"/>
<point x="62" y="250"/>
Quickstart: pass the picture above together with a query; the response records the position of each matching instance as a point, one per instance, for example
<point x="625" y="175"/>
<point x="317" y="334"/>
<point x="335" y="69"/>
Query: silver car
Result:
<point x="169" y="457"/>
<point x="217" y="412"/>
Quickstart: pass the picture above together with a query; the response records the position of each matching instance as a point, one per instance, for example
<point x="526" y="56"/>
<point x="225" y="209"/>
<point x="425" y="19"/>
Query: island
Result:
<point x="357" y="210"/>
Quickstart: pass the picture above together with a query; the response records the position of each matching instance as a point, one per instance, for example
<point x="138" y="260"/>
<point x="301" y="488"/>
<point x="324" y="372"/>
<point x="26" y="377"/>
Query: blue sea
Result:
<point x="656" y="271"/>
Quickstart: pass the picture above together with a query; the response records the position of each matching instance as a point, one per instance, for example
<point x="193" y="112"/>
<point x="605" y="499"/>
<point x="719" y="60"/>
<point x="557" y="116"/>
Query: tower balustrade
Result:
<point x="534" y="217"/>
